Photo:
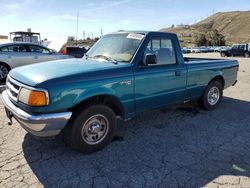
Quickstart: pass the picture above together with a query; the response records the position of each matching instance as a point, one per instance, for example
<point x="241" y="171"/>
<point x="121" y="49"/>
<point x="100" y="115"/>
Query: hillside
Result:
<point x="235" y="26"/>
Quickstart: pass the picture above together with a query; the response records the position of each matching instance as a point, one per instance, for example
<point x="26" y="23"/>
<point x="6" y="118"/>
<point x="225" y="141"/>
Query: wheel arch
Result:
<point x="9" y="67"/>
<point x="218" y="78"/>
<point x="111" y="101"/>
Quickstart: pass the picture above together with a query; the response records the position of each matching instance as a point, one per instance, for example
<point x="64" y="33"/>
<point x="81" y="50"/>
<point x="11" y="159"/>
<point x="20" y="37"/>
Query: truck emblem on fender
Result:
<point x="127" y="82"/>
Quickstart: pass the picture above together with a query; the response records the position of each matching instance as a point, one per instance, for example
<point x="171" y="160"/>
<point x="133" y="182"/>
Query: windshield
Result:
<point x="118" y="47"/>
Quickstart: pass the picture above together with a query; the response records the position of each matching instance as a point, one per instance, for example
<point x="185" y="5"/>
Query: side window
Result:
<point x="38" y="49"/>
<point x="4" y="49"/>
<point x="235" y="47"/>
<point x="21" y="48"/>
<point x="163" y="49"/>
<point x="242" y="47"/>
<point x="14" y="48"/>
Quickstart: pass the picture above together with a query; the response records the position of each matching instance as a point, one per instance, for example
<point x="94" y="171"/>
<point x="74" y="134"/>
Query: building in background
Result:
<point x="25" y="36"/>
<point x="4" y="39"/>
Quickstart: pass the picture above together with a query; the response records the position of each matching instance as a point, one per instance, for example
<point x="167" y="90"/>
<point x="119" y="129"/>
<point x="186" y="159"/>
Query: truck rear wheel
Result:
<point x="212" y="95"/>
<point x="91" y="129"/>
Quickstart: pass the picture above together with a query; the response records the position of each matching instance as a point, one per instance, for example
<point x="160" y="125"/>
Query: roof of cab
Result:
<point x="142" y="32"/>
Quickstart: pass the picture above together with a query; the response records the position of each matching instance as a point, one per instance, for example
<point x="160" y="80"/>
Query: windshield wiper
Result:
<point x="86" y="56"/>
<point x="106" y="58"/>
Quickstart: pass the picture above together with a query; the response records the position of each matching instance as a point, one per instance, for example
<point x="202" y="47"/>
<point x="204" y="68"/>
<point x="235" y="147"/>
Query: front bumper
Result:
<point x="42" y="125"/>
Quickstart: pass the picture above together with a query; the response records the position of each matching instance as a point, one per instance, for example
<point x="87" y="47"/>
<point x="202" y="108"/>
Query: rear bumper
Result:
<point x="43" y="125"/>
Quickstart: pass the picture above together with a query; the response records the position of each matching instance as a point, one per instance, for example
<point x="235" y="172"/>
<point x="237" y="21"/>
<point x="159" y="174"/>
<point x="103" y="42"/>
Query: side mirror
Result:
<point x="149" y="59"/>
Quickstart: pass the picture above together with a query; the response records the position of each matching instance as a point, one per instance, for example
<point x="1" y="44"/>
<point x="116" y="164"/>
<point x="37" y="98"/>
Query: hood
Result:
<point x="38" y="73"/>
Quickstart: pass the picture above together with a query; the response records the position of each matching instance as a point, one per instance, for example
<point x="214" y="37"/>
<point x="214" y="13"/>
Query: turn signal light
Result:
<point x="37" y="98"/>
<point x="33" y="97"/>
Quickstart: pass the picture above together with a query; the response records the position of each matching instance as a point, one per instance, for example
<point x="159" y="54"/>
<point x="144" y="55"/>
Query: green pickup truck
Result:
<point x="123" y="74"/>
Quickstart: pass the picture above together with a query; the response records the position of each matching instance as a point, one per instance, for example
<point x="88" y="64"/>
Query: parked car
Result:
<point x="211" y="48"/>
<point x="18" y="54"/>
<point x="236" y="50"/>
<point x="203" y="49"/>
<point x="218" y="48"/>
<point x="196" y="50"/>
<point x="75" y="51"/>
<point x="186" y="50"/>
<point x="123" y="74"/>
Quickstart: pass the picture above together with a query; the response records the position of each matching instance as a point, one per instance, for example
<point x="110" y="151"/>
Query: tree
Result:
<point x="200" y="39"/>
<point x="214" y="38"/>
<point x="210" y="38"/>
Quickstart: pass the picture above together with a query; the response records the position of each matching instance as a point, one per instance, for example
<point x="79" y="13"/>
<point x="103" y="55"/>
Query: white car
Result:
<point x="196" y="50"/>
<point x="18" y="54"/>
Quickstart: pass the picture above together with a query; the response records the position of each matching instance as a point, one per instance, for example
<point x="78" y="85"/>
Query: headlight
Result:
<point x="33" y="97"/>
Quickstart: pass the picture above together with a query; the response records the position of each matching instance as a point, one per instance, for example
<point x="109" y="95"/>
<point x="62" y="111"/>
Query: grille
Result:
<point x="12" y="88"/>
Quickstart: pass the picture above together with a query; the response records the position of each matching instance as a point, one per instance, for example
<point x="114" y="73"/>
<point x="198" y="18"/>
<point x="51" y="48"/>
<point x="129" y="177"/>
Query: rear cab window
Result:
<point x="164" y="50"/>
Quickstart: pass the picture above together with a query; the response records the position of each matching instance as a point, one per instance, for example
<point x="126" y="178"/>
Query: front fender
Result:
<point x="91" y="93"/>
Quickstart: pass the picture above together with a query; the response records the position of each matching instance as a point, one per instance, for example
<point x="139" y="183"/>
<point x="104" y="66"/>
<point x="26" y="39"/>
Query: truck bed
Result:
<point x="201" y="70"/>
<point x="188" y="60"/>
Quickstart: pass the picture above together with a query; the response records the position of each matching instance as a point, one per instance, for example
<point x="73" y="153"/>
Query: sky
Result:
<point x="54" y="18"/>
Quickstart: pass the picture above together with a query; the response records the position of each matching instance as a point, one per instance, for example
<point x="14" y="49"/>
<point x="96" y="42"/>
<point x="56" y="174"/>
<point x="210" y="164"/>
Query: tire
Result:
<point x="92" y="129"/>
<point x="212" y="95"/>
<point x="4" y="71"/>
<point x="223" y="54"/>
<point x="247" y="54"/>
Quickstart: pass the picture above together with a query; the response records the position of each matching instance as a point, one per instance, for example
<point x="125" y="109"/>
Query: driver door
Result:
<point x="163" y="83"/>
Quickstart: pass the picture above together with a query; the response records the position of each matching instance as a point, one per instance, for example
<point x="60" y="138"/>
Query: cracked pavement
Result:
<point x="179" y="146"/>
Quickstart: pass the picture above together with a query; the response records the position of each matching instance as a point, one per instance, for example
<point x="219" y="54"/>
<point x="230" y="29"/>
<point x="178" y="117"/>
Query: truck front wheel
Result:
<point x="247" y="54"/>
<point x="212" y="95"/>
<point x="92" y="129"/>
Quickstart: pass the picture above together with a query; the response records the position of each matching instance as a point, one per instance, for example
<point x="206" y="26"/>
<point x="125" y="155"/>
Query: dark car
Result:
<point x="77" y="52"/>
<point x="236" y="50"/>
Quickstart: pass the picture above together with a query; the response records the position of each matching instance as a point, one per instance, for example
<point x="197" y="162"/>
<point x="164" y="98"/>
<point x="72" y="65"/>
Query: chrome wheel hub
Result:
<point x="3" y="72"/>
<point x="95" y="129"/>
<point x="213" y="95"/>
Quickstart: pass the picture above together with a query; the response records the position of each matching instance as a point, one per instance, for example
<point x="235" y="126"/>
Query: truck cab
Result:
<point x="237" y="50"/>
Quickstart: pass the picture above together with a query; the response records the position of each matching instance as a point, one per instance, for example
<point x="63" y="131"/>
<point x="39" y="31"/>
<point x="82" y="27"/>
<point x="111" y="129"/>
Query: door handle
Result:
<point x="36" y="57"/>
<point x="177" y="73"/>
<point x="9" y="56"/>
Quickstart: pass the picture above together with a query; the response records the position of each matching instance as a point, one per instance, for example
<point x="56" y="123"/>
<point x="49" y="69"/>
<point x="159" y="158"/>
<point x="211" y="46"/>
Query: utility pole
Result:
<point x="77" y="20"/>
<point x="101" y="32"/>
<point x="83" y="33"/>
<point x="92" y="35"/>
